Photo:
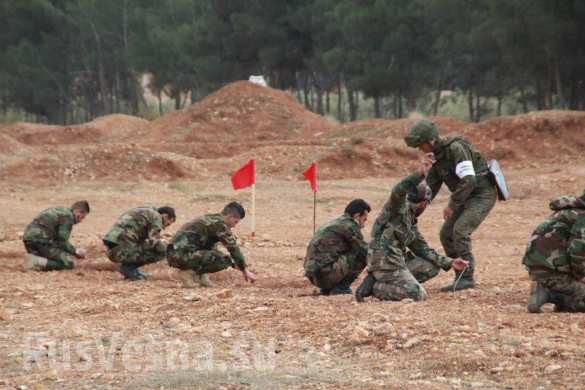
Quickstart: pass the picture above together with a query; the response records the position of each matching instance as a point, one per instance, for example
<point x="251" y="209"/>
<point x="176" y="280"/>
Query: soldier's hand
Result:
<point x="80" y="253"/>
<point x="582" y="280"/>
<point x="447" y="213"/>
<point x="249" y="276"/>
<point x="425" y="164"/>
<point x="459" y="264"/>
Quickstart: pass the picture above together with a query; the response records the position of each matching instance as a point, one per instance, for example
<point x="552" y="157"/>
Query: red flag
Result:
<point x="311" y="175"/>
<point x="245" y="176"/>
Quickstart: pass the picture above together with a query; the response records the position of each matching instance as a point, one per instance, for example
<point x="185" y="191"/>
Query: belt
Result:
<point x="540" y="268"/>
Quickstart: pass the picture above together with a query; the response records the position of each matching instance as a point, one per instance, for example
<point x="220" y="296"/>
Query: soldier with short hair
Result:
<point x="337" y="253"/>
<point x="192" y="249"/>
<point x="400" y="259"/>
<point x="555" y="257"/>
<point x="46" y="239"/>
<point x="134" y="240"/>
<point x="465" y="172"/>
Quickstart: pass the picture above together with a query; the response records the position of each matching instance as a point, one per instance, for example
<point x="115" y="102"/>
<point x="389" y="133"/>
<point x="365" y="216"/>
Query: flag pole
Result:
<point x="314" y="210"/>
<point x="253" y="209"/>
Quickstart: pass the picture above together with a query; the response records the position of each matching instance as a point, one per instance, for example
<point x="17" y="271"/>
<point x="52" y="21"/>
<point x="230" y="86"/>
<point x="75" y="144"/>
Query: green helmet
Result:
<point x="421" y="132"/>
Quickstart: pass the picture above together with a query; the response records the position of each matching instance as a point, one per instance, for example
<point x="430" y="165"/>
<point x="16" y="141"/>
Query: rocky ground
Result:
<point x="88" y="328"/>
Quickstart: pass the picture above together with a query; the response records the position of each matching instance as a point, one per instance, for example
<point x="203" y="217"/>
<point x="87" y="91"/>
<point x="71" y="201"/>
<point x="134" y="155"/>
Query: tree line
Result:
<point x="67" y="61"/>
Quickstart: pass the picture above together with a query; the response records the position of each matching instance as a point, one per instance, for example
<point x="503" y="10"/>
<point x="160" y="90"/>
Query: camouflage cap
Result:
<point x="421" y="193"/>
<point x="421" y="132"/>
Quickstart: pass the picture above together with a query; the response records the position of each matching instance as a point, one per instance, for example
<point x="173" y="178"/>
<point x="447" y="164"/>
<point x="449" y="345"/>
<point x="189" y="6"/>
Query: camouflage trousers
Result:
<point x="456" y="231"/>
<point x="57" y="258"/>
<point x="133" y="253"/>
<point x="346" y="268"/>
<point x="421" y="269"/>
<point x="571" y="292"/>
<point x="200" y="260"/>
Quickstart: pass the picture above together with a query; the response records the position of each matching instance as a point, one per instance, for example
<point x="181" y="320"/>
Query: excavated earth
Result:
<point x="87" y="328"/>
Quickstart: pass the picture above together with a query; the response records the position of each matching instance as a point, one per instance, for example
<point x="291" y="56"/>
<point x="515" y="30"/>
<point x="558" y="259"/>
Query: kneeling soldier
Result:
<point x="46" y="239"/>
<point x="192" y="248"/>
<point x="337" y="253"/>
<point x="555" y="257"/>
<point x="134" y="240"/>
<point x="399" y="258"/>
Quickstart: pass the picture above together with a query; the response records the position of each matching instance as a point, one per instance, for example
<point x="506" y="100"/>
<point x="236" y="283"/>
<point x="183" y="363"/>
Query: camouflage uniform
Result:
<point x="472" y="197"/>
<point x="399" y="257"/>
<point x="555" y="256"/>
<point x="336" y="253"/>
<point x="193" y="246"/>
<point x="135" y="238"/>
<point x="48" y="236"/>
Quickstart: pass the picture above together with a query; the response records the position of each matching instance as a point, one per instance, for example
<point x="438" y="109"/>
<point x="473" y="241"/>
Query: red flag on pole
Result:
<point x="311" y="175"/>
<point x="245" y="176"/>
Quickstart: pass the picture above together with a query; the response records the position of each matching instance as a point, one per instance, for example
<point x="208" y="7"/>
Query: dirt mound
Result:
<point x="112" y="162"/>
<point x="365" y="159"/>
<point x="109" y="128"/>
<point x="240" y="111"/>
<point x="389" y="128"/>
<point x="536" y="136"/>
<point x="10" y="147"/>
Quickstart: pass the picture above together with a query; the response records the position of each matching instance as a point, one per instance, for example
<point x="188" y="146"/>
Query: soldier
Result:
<point x="192" y="248"/>
<point x="134" y="240"/>
<point x="46" y="239"/>
<point x="555" y="257"/>
<point x="337" y="253"/>
<point x="465" y="172"/>
<point x="394" y="272"/>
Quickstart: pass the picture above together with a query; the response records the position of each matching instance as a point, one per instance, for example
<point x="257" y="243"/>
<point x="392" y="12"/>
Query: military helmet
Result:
<point x="421" y="132"/>
<point x="421" y="193"/>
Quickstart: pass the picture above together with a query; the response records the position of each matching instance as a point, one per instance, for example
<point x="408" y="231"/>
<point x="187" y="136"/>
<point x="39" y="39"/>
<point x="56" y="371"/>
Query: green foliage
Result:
<point x="71" y="60"/>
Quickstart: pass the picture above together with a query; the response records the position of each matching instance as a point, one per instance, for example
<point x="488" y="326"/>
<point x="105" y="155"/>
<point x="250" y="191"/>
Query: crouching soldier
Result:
<point x="337" y="254"/>
<point x="555" y="258"/>
<point x="399" y="258"/>
<point x="134" y="240"/>
<point x="192" y="249"/>
<point x="46" y="239"/>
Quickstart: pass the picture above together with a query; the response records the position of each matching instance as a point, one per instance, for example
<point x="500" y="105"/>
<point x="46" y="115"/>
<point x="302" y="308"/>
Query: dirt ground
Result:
<point x="87" y="328"/>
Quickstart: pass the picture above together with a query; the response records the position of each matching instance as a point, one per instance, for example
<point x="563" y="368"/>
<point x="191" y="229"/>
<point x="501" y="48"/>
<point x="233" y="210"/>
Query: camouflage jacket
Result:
<point x="559" y="242"/>
<point x="53" y="227"/>
<point x="395" y="231"/>
<point x="204" y="233"/>
<point x="141" y="225"/>
<point x="449" y="153"/>
<point x="340" y="236"/>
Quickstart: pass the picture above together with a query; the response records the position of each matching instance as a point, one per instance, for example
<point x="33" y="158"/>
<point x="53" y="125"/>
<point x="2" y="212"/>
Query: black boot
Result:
<point x="365" y="289"/>
<point x="342" y="287"/>
<point x="130" y="272"/>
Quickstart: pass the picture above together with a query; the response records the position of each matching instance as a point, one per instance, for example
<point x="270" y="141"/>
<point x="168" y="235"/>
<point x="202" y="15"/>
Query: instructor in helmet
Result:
<point x="460" y="166"/>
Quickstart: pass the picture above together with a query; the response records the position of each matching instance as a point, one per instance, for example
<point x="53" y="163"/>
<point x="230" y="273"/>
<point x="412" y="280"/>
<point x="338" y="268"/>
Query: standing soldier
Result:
<point x="134" y="240"/>
<point x="192" y="249"/>
<point x="337" y="254"/>
<point x="465" y="172"/>
<point x="399" y="258"/>
<point x="46" y="239"/>
<point x="555" y="257"/>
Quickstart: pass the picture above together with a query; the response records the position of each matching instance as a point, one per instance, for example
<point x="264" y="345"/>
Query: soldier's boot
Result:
<point x="325" y="291"/>
<point x="365" y="289"/>
<point x="203" y="280"/>
<point x="130" y="272"/>
<point x="34" y="262"/>
<point x="342" y="287"/>
<point x="463" y="280"/>
<point x="539" y="295"/>
<point x="187" y="277"/>
<point x="142" y="275"/>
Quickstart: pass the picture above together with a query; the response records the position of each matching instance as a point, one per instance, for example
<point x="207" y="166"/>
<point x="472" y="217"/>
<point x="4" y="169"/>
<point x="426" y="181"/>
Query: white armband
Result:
<point x="464" y="168"/>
